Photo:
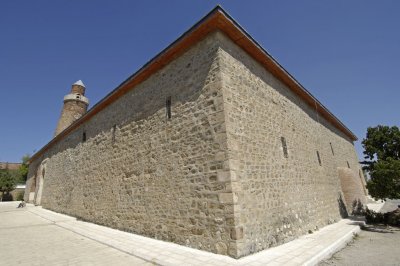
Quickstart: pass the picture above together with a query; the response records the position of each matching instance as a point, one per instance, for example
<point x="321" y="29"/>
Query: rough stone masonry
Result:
<point x="209" y="146"/>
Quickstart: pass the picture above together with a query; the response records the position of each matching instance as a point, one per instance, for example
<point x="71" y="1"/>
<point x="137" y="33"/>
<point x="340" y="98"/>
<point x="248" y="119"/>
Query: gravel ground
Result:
<point x="375" y="245"/>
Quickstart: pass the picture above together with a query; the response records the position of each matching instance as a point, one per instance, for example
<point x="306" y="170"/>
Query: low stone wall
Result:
<point x="20" y="190"/>
<point x="9" y="166"/>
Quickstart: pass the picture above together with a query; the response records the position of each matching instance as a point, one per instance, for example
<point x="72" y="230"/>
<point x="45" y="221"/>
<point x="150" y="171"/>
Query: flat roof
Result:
<point x="216" y="19"/>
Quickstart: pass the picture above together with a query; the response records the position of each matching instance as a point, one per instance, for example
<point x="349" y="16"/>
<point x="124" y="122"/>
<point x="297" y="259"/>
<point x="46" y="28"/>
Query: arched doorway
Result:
<point x="40" y="177"/>
<point x="33" y="189"/>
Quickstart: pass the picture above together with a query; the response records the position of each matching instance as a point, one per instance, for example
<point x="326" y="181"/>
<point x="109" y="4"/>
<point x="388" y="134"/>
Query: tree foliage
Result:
<point x="24" y="168"/>
<point x="7" y="183"/>
<point x="382" y="154"/>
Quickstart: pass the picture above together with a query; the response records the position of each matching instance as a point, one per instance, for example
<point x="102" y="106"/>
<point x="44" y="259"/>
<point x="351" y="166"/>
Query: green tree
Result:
<point x="7" y="184"/>
<point x="382" y="154"/>
<point x="24" y="168"/>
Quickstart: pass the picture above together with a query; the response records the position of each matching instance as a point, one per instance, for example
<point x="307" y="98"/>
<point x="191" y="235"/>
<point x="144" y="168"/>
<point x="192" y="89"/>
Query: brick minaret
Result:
<point x="75" y="105"/>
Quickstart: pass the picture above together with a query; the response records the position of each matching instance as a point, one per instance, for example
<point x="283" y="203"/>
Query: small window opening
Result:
<point x="84" y="136"/>
<point x="333" y="152"/>
<point x="348" y="165"/>
<point x="114" y="129"/>
<point x="284" y="147"/>
<point x="168" y="106"/>
<point x="319" y="159"/>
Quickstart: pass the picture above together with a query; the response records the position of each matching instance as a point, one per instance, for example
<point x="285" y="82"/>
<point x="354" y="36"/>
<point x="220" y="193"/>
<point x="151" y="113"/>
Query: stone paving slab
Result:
<point x="29" y="239"/>
<point x="307" y="250"/>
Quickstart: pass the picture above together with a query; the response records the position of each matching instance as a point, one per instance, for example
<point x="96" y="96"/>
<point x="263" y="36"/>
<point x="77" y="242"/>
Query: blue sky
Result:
<point x="346" y="53"/>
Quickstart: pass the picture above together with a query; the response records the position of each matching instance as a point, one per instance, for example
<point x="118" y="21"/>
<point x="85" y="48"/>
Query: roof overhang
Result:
<point x="217" y="19"/>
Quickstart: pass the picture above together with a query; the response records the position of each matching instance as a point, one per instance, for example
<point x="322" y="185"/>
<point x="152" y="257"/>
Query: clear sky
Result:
<point x="346" y="53"/>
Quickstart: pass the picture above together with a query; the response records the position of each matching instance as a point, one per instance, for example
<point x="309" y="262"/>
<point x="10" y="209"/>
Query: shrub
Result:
<point x="394" y="217"/>
<point x="389" y="218"/>
<point x="373" y="217"/>
<point x="20" y="196"/>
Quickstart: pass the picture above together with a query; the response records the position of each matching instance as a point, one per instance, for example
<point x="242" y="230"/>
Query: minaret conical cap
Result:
<point x="80" y="83"/>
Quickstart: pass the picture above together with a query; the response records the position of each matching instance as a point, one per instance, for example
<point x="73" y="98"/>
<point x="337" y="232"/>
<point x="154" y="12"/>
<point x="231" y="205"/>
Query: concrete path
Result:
<point x="36" y="236"/>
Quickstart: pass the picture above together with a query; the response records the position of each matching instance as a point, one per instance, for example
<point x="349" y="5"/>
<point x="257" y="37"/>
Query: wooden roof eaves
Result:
<point x="217" y="19"/>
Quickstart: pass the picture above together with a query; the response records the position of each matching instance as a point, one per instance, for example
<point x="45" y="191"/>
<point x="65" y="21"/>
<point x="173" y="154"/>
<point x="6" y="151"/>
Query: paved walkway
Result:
<point x="35" y="236"/>
<point x="375" y="245"/>
<point x="28" y="239"/>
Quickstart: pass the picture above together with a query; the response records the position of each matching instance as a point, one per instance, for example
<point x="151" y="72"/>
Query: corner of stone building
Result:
<point x="230" y="197"/>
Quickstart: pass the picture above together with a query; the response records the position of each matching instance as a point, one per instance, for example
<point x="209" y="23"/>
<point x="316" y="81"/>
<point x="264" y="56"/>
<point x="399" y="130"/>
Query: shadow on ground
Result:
<point x="380" y="228"/>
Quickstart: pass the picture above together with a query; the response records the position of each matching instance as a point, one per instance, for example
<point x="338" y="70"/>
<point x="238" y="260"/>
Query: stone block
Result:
<point x="237" y="233"/>
<point x="221" y="248"/>
<point x="224" y="176"/>
<point x="227" y="198"/>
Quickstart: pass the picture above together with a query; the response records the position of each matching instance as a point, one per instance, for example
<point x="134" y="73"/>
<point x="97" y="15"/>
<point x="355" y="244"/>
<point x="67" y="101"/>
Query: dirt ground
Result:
<point x="375" y="245"/>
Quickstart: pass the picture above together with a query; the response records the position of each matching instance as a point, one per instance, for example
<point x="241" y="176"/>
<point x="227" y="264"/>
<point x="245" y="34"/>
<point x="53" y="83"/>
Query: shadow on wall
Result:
<point x="357" y="207"/>
<point x="342" y="207"/>
<point x="6" y="197"/>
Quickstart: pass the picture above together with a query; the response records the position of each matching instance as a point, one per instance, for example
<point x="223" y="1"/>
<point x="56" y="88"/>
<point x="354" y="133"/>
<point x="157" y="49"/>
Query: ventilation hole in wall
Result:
<point x="114" y="128"/>
<point x="284" y="147"/>
<point x="348" y="165"/>
<point x="333" y="152"/>
<point x="168" y="107"/>
<point x="319" y="158"/>
<point x="84" y="136"/>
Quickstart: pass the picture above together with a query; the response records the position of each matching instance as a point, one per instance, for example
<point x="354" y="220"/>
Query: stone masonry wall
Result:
<point x="214" y="176"/>
<point x="277" y="198"/>
<point x="142" y="172"/>
<point x="72" y="111"/>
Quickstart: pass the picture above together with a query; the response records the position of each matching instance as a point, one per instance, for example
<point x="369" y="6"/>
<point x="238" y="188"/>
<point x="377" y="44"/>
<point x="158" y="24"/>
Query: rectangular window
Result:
<point x="319" y="159"/>
<point x="333" y="153"/>
<point x="114" y="128"/>
<point x="84" y="136"/>
<point x="168" y="106"/>
<point x="284" y="147"/>
<point x="348" y="165"/>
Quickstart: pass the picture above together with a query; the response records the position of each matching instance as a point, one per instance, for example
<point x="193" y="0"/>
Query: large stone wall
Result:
<point x="214" y="176"/>
<point x="277" y="198"/>
<point x="142" y="172"/>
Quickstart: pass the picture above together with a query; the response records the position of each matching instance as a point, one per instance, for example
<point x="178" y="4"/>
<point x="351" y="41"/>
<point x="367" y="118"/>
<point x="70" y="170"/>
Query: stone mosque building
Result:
<point x="212" y="145"/>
